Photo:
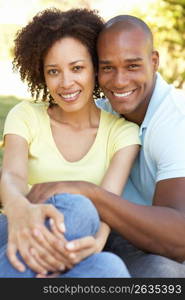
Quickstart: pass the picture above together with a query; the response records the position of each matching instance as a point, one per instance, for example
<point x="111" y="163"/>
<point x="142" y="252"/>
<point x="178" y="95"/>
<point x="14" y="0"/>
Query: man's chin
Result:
<point x="122" y="110"/>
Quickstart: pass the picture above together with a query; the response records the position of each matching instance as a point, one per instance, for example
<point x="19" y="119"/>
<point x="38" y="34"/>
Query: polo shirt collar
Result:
<point x="161" y="89"/>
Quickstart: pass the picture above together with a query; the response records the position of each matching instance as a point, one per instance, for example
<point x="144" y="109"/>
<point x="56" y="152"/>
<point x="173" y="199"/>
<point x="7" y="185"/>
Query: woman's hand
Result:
<point x="80" y="249"/>
<point x="40" y="249"/>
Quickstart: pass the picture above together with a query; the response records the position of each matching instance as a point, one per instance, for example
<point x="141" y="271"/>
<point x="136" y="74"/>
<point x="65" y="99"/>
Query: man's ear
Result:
<point x="155" y="59"/>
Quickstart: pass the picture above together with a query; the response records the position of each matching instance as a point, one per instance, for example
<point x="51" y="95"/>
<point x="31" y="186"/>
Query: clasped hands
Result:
<point x="44" y="250"/>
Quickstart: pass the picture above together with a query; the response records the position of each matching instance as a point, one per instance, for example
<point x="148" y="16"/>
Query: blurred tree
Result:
<point x="167" y="20"/>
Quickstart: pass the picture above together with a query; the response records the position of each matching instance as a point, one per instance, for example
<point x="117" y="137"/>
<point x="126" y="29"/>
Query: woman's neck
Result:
<point x="86" y="117"/>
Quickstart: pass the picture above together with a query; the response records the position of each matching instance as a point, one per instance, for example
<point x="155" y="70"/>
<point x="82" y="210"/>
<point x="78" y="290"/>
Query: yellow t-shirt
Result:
<point x="45" y="162"/>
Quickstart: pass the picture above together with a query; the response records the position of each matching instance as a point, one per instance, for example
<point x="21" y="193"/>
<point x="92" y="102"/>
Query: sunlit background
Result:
<point x="165" y="17"/>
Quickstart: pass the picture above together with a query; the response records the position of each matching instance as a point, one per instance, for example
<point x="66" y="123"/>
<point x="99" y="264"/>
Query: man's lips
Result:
<point x="123" y="94"/>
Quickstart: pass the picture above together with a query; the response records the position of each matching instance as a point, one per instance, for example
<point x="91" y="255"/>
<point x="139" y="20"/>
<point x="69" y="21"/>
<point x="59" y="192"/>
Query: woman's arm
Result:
<point x="113" y="181"/>
<point x="119" y="169"/>
<point x="27" y="232"/>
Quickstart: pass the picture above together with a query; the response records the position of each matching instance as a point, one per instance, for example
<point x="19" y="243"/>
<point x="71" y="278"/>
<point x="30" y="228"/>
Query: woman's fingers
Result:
<point x="81" y="248"/>
<point x="44" y="263"/>
<point x="50" y="211"/>
<point x="81" y="244"/>
<point x="11" y="253"/>
<point x="32" y="262"/>
<point x="56" y="254"/>
<point x="12" y="250"/>
<point x="55" y="229"/>
<point x="47" y="248"/>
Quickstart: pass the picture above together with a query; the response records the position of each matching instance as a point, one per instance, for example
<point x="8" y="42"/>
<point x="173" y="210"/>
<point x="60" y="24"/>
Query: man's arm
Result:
<point x="158" y="229"/>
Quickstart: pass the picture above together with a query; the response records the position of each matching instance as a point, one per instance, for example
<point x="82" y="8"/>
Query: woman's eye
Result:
<point x="77" y="68"/>
<point x="53" y="72"/>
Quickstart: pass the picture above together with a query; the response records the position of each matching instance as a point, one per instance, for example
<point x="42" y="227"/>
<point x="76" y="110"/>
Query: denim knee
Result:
<point x="80" y="215"/>
<point x="113" y="265"/>
<point x="99" y="265"/>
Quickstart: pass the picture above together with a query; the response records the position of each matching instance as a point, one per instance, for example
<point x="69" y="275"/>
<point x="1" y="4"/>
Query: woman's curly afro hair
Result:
<point x="34" y="40"/>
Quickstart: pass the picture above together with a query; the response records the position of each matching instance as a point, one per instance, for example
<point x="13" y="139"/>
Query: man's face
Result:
<point x="127" y="69"/>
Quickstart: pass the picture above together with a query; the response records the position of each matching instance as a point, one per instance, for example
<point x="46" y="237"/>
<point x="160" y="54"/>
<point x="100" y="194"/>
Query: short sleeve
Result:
<point x="165" y="142"/>
<point x="169" y="153"/>
<point x="20" y="121"/>
<point x="124" y="133"/>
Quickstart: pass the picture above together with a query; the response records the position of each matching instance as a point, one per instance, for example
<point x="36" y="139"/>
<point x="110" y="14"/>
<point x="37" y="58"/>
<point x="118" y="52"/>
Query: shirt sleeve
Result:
<point x="20" y="121"/>
<point x="168" y="151"/>
<point x="124" y="133"/>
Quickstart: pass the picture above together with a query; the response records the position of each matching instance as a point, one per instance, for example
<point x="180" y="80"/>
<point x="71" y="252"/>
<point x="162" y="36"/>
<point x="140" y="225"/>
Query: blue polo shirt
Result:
<point x="162" y="155"/>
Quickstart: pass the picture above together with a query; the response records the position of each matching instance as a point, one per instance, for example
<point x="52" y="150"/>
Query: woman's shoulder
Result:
<point x="29" y="107"/>
<point x="117" y="120"/>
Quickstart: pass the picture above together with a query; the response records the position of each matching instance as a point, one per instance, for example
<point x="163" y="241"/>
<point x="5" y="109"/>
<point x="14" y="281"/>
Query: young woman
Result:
<point x="63" y="137"/>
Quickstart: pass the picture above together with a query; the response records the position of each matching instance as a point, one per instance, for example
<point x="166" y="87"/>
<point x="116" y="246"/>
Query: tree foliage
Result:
<point x="167" y="20"/>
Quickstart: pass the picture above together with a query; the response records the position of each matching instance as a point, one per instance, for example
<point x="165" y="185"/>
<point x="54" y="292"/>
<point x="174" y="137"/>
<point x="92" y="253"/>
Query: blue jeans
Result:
<point x="143" y="264"/>
<point x="81" y="219"/>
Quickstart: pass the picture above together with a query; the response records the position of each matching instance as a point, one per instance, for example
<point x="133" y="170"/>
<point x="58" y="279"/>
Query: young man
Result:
<point x="151" y="213"/>
<point x="127" y="75"/>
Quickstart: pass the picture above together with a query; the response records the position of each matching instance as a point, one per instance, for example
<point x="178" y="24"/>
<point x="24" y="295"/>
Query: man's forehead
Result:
<point x="115" y="38"/>
<point x="119" y="29"/>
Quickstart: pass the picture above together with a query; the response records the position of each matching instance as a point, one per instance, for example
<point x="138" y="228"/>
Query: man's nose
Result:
<point x="120" y="79"/>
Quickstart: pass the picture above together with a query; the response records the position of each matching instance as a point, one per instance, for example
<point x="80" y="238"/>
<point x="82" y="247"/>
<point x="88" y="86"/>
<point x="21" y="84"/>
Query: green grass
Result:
<point x="6" y="103"/>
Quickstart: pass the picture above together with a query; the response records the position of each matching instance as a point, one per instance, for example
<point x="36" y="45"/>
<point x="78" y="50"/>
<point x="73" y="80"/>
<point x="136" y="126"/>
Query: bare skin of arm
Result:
<point x="157" y="229"/>
<point x="27" y="231"/>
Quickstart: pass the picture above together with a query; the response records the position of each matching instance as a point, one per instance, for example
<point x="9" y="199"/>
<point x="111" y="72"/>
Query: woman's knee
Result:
<point x="80" y="215"/>
<point x="112" y="265"/>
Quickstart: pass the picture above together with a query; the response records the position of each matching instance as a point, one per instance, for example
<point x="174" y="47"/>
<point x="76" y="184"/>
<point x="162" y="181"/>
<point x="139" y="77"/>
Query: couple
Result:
<point x="66" y="137"/>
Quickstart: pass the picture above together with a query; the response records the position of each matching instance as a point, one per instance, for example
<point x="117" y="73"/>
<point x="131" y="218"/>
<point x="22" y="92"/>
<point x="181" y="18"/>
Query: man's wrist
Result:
<point x="91" y="191"/>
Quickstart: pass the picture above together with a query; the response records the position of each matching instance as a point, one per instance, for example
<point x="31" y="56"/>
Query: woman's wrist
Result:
<point x="10" y="207"/>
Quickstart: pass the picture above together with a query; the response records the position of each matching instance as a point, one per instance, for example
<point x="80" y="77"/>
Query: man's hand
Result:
<point x="39" y="193"/>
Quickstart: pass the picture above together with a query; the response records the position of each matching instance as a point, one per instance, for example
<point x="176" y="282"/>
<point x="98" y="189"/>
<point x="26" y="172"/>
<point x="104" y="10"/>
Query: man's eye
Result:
<point x="52" y="72"/>
<point x="133" y="66"/>
<point x="106" y="68"/>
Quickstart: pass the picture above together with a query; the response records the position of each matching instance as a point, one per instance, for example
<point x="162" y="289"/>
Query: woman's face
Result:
<point x="69" y="74"/>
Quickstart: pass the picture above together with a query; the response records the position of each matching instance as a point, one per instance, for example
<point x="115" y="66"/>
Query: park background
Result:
<point x="166" y="18"/>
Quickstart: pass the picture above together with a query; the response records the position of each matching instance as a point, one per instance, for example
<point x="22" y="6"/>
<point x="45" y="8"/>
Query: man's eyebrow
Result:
<point x="105" y="62"/>
<point x="108" y="62"/>
<point x="134" y="59"/>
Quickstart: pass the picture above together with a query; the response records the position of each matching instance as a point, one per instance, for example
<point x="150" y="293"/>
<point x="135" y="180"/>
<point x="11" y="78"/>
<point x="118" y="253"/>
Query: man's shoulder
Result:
<point x="175" y="99"/>
<point x="171" y="108"/>
<point x="104" y="104"/>
<point x="178" y="99"/>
